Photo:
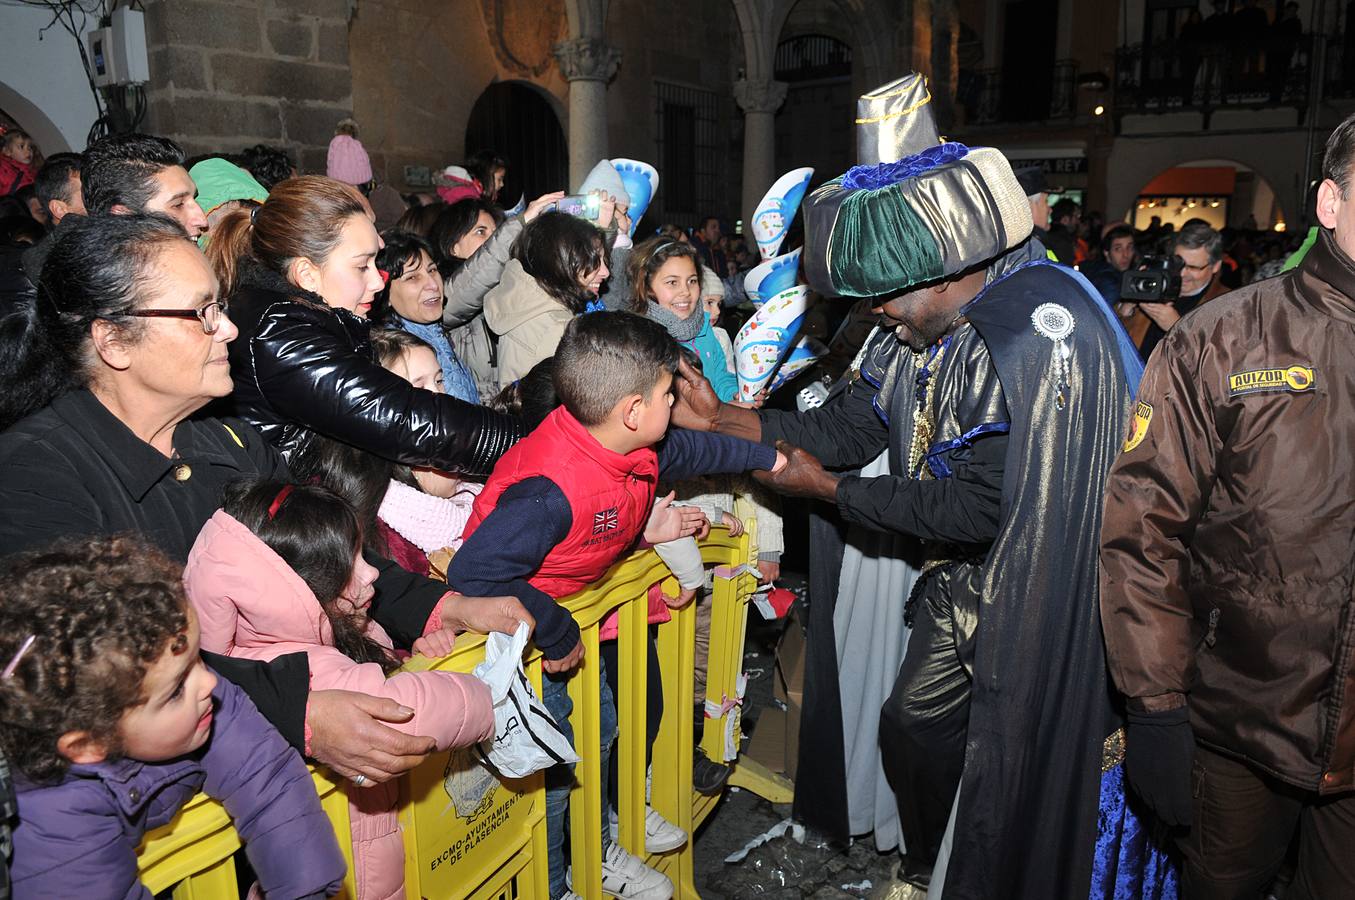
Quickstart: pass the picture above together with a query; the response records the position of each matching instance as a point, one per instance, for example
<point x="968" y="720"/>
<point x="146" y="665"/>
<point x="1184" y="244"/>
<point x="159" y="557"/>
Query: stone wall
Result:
<point x="420" y="65"/>
<point x="226" y="74"/>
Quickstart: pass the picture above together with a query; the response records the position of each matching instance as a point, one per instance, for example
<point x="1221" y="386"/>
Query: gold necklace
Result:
<point x="924" y="417"/>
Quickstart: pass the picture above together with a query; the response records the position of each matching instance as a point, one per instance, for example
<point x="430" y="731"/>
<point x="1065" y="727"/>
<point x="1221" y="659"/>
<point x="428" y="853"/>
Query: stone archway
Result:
<point x="32" y="119"/>
<point x="1133" y="162"/>
<point x="1223" y="192"/>
<point x="518" y="121"/>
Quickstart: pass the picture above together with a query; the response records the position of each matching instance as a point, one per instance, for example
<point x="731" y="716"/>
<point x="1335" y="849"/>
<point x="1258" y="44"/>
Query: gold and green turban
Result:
<point x="917" y="210"/>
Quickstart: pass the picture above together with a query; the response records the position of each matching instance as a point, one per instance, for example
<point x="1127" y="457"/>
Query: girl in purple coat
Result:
<point x="112" y="723"/>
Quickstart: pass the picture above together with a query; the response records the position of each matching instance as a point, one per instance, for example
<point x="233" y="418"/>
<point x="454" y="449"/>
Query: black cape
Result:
<point x="1041" y="708"/>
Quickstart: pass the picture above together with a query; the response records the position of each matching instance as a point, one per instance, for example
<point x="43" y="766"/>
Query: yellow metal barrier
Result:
<point x="469" y="836"/>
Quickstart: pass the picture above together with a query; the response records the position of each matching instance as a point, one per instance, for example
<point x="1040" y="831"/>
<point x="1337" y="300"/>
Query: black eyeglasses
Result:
<point x="209" y="314"/>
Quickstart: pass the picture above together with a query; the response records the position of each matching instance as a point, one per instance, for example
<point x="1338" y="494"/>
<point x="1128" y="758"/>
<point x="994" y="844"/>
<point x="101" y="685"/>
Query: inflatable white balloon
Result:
<point x="642" y="183"/>
<point x="774" y="214"/>
<point x="518" y="208"/>
<point x="772" y="277"/>
<point x="805" y="353"/>
<point x="766" y="337"/>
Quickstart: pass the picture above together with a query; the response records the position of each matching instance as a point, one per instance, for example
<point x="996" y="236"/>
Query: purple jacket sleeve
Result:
<point x="687" y="454"/>
<point x="268" y="792"/>
<point x="63" y="850"/>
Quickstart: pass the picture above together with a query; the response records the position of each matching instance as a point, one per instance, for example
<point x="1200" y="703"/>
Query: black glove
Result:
<point x="1159" y="753"/>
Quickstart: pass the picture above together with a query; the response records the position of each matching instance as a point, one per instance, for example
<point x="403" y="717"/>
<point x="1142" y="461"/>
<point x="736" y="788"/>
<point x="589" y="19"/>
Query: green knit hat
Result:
<point x="220" y="182"/>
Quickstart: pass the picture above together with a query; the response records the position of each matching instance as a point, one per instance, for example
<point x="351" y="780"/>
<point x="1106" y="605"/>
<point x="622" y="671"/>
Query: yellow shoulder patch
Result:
<point x="1138" y="426"/>
<point x="1294" y="379"/>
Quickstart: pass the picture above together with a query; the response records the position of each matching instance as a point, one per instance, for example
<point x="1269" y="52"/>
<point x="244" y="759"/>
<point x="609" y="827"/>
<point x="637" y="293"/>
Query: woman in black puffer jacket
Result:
<point x="300" y="273"/>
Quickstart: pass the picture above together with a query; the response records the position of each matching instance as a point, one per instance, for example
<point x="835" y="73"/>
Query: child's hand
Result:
<point x="435" y="644"/>
<point x="780" y="463"/>
<point x="567" y="663"/>
<point x="684" y="597"/>
<point x="767" y="571"/>
<point x="668" y="522"/>
<point x="733" y="523"/>
<point x="756" y="403"/>
<point x="704" y="531"/>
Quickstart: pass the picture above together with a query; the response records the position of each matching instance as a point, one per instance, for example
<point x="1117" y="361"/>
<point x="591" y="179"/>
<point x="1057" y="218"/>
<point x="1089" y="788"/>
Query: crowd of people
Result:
<point x="265" y="435"/>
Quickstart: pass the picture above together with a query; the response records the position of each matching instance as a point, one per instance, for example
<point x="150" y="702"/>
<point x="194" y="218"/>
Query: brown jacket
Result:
<point x="1228" y="546"/>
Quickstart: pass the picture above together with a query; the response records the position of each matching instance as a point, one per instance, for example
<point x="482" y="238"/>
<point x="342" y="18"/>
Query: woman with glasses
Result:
<point x="301" y="275"/>
<point x="105" y="375"/>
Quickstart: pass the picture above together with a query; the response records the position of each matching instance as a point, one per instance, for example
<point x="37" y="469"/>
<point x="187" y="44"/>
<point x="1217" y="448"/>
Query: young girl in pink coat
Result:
<point x="279" y="569"/>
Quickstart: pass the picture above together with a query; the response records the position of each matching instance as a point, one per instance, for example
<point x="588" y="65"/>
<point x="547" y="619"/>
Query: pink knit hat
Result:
<point x="455" y="183"/>
<point x="348" y="160"/>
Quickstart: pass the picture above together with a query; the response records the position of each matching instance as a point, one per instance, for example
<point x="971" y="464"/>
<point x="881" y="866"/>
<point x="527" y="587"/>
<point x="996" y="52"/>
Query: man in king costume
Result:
<point x="999" y="390"/>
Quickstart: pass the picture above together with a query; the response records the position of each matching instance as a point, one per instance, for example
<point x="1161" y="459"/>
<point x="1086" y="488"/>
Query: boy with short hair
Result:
<point x="569" y="500"/>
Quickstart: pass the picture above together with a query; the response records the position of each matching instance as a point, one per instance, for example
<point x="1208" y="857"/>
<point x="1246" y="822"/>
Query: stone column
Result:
<point x="588" y="64"/>
<point x="759" y="101"/>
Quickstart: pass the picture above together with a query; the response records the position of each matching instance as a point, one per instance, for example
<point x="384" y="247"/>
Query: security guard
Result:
<point x="1228" y="572"/>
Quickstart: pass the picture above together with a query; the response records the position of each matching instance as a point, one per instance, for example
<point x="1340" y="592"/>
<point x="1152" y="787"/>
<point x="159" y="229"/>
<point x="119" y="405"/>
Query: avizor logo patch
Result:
<point x="1138" y="426"/>
<point x="1294" y="379"/>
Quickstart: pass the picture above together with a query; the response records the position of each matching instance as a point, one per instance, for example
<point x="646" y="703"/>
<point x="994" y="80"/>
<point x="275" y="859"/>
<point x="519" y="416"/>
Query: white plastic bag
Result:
<point x="526" y="738"/>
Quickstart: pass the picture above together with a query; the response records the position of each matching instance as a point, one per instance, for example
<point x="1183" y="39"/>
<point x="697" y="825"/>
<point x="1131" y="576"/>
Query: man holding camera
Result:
<point x="1198" y="250"/>
<point x="1228" y="572"/>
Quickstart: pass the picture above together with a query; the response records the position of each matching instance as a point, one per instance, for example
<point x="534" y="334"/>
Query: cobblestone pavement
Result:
<point x="780" y="869"/>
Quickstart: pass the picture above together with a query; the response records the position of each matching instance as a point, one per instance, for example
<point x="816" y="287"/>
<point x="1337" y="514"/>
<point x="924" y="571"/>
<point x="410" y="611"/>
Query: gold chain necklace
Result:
<point x="924" y="417"/>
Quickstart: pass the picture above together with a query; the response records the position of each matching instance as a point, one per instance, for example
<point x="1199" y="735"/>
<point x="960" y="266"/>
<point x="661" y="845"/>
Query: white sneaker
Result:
<point x="661" y="835"/>
<point x="627" y="877"/>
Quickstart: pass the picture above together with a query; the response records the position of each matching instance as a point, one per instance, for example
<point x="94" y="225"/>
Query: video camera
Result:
<point x="1157" y="278"/>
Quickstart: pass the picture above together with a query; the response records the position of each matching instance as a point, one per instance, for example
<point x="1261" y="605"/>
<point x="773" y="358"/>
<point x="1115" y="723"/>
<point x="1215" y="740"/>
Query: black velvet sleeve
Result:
<point x="279" y="689"/>
<point x="962" y="509"/>
<point x="844" y="434"/>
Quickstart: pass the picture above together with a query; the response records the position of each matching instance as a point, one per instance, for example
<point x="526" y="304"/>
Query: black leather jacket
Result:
<point x="303" y="368"/>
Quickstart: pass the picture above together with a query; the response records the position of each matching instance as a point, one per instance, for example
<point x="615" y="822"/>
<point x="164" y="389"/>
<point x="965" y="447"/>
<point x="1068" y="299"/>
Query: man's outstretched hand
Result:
<point x="802" y="475"/>
<point x="696" y="406"/>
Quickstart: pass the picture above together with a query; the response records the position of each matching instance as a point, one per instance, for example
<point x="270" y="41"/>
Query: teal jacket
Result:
<point x="712" y="356"/>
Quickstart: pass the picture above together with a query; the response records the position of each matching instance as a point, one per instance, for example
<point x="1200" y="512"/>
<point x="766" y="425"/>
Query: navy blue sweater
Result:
<point x="533" y="516"/>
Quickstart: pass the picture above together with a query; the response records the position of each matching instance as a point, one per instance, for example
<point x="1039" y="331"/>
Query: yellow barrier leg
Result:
<point x="534" y="882"/>
<point x="585" y="798"/>
<point x="752" y="775"/>
<point x="672" y="788"/>
<point x="632" y="714"/>
<point x="729" y="623"/>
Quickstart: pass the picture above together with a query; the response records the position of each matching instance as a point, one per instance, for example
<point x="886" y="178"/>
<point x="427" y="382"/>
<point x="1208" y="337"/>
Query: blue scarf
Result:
<point x="456" y="380"/>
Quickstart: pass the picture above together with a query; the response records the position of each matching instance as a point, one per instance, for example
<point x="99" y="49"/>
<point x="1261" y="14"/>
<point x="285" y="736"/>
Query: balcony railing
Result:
<point x="980" y="93"/>
<point x="1206" y="76"/>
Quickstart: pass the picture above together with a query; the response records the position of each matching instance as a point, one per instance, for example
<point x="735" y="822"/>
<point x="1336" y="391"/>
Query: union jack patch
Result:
<point x="605" y="521"/>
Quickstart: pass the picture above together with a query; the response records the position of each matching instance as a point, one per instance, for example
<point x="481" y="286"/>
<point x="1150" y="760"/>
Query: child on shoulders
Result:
<point x="112" y="723"/>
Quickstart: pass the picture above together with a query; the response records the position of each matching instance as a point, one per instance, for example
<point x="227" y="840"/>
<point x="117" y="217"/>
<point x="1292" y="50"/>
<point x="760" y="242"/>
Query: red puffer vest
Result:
<point x="609" y="494"/>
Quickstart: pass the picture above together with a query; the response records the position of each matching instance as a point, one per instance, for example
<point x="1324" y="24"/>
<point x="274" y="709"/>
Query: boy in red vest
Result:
<point x="568" y="501"/>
